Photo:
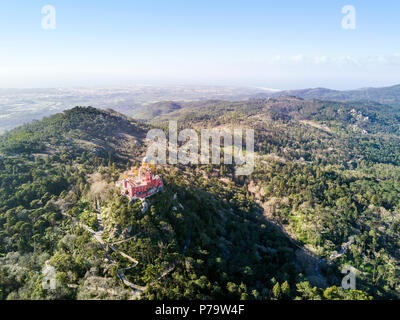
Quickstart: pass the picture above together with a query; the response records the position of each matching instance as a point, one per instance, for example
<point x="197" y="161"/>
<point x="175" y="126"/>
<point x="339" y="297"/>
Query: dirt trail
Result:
<point x="138" y="290"/>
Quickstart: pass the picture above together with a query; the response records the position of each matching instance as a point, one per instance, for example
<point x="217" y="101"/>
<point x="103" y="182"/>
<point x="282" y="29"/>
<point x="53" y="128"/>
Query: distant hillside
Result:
<point x="98" y="131"/>
<point x="369" y="116"/>
<point x="20" y="106"/>
<point x="149" y="112"/>
<point x="384" y="95"/>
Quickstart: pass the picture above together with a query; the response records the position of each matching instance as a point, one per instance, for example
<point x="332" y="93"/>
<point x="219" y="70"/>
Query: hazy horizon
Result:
<point x="204" y="85"/>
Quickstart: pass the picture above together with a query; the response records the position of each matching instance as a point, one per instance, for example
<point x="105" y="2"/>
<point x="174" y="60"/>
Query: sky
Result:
<point x="283" y="44"/>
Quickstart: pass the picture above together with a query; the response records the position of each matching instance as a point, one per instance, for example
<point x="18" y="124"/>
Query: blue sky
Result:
<point x="277" y="44"/>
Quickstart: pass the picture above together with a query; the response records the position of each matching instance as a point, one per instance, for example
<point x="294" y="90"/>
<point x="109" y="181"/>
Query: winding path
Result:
<point x="138" y="290"/>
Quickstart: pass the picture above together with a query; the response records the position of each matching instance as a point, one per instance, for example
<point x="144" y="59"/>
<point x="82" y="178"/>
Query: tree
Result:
<point x="276" y="291"/>
<point x="285" y="288"/>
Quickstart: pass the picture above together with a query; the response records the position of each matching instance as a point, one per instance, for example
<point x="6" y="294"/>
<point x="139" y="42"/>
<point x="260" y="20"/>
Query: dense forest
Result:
<point x="324" y="194"/>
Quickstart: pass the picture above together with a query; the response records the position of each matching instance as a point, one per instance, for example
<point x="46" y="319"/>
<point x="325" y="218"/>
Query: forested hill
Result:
<point x="371" y="116"/>
<point x="81" y="128"/>
<point x="202" y="238"/>
<point x="386" y="95"/>
<point x="323" y="174"/>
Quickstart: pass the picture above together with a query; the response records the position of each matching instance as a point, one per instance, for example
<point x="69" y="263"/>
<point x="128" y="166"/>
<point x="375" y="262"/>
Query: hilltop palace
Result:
<point x="140" y="183"/>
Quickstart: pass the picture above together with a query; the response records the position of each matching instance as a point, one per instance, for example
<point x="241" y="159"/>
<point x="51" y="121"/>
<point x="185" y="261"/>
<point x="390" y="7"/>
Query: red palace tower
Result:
<point x="140" y="183"/>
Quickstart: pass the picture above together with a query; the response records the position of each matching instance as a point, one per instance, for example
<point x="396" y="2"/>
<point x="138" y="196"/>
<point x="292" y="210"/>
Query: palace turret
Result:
<point x="141" y="183"/>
